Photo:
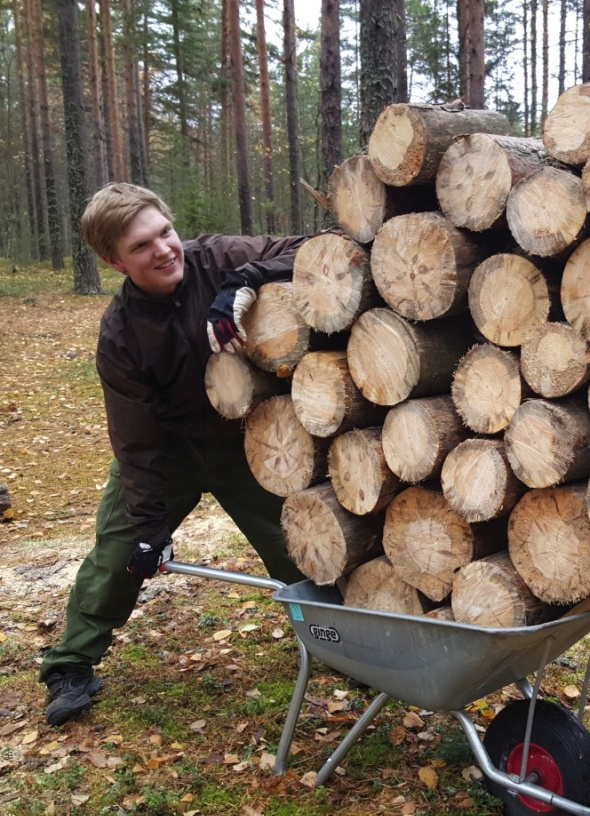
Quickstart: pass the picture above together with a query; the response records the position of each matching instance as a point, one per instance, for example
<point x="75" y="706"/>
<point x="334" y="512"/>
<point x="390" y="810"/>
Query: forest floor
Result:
<point x="198" y="683"/>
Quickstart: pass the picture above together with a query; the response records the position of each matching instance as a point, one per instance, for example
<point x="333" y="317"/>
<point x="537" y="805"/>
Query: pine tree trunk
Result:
<point x="477" y="480"/>
<point x="408" y="141"/>
<point x="115" y="151"/>
<point x="549" y="542"/>
<point x="360" y="477"/>
<point x="487" y="388"/>
<point x="549" y="442"/>
<point x="325" y="398"/>
<point x="265" y="115"/>
<point x="100" y="171"/>
<point x="332" y="282"/>
<point x="418" y="434"/>
<point x="376" y="585"/>
<point x="550" y="230"/>
<point x="493" y="164"/>
<point x="422" y="265"/>
<point x="554" y="359"/>
<point x="241" y="130"/>
<point x="282" y="455"/>
<point x="326" y="541"/>
<point x="391" y="359"/>
<point x="490" y="593"/>
<point x="427" y="542"/>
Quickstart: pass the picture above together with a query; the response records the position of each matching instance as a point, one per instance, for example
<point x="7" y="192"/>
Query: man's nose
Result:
<point x="160" y="246"/>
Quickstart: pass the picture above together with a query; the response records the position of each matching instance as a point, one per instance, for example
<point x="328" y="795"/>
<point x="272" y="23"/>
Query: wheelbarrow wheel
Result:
<point x="559" y="756"/>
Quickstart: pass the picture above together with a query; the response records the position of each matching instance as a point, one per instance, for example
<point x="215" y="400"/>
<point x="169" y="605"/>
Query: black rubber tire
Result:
<point x="556" y="734"/>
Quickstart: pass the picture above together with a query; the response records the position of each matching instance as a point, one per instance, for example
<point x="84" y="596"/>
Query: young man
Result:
<point x="179" y="303"/>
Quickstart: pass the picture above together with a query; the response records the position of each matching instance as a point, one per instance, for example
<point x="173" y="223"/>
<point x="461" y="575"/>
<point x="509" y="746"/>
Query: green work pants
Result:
<point x="105" y="593"/>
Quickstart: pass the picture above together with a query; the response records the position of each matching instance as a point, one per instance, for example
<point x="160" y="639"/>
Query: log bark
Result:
<point x="376" y="585"/>
<point x="586" y="183"/>
<point x="418" y="434"/>
<point x="549" y="442"/>
<point x="477" y="173"/>
<point x="390" y="359"/>
<point x="360" y="477"/>
<point x="408" y="141"/>
<point x="487" y="388"/>
<point x="277" y="335"/>
<point x="554" y="359"/>
<point x="575" y="289"/>
<point x="326" y="541"/>
<point x="549" y="542"/>
<point x="332" y="282"/>
<point x="490" y="593"/>
<point x="235" y="386"/>
<point x="478" y="482"/>
<point x="422" y="265"/>
<point x="325" y="397"/>
<point x="444" y="613"/>
<point x="566" y="131"/>
<point x="360" y="202"/>
<point x="427" y="542"/>
<point x="546" y="212"/>
<point x="282" y="455"/>
<point x="507" y="294"/>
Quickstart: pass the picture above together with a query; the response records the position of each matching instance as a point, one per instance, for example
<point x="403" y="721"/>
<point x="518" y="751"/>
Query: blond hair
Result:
<point x="110" y="211"/>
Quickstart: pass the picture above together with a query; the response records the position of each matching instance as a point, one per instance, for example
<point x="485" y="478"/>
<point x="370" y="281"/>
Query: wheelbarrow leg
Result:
<point x="294" y="709"/>
<point x="352" y="737"/>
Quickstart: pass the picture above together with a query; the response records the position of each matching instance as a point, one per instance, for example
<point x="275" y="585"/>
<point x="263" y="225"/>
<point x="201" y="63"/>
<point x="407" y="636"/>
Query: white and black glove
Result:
<point x="146" y="560"/>
<point x="224" y="320"/>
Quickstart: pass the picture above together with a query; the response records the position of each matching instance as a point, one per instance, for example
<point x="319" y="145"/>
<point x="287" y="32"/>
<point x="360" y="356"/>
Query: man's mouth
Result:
<point x="167" y="264"/>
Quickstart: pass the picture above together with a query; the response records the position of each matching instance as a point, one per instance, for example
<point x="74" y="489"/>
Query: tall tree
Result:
<point x="266" y="118"/>
<point x="545" y="60"/>
<point x="86" y="279"/>
<point x="136" y="147"/>
<point x="292" y="104"/>
<point x="239" y="95"/>
<point x="586" y="42"/>
<point x="470" y="14"/>
<point x="100" y="167"/>
<point x="115" y="153"/>
<point x="331" y="85"/>
<point x="383" y="60"/>
<point x="534" y="85"/>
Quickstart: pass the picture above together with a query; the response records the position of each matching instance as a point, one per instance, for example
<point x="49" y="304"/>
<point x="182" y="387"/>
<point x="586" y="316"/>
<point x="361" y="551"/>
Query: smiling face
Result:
<point x="150" y="253"/>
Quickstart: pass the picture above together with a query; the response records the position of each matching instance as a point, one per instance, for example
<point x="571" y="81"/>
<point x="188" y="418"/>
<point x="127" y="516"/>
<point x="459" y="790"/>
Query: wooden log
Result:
<point x="282" y="455"/>
<point x="376" y="585"/>
<point x="408" y="141"/>
<point x="507" y="294"/>
<point x="548" y="442"/>
<point x="477" y="172"/>
<point x="487" y="388"/>
<point x="360" y="477"/>
<point x="427" y="542"/>
<point x="277" y="336"/>
<point x="566" y="131"/>
<point x="360" y="202"/>
<point x="444" y="613"/>
<point x="586" y="183"/>
<point x="391" y="359"/>
<point x="546" y="212"/>
<point x="478" y="482"/>
<point x="422" y="265"/>
<point x="575" y="289"/>
<point x="235" y="386"/>
<point x="332" y="282"/>
<point x="549" y="542"/>
<point x="490" y="593"/>
<point x="554" y="359"/>
<point x="418" y="434"/>
<point x="326" y="541"/>
<point x="325" y="397"/>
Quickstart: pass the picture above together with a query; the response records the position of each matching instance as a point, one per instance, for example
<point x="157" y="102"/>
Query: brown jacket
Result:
<point x="151" y="358"/>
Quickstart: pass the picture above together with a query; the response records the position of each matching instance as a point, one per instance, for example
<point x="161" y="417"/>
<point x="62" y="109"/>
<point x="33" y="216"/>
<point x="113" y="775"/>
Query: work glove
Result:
<point x="145" y="560"/>
<point x="224" y="320"/>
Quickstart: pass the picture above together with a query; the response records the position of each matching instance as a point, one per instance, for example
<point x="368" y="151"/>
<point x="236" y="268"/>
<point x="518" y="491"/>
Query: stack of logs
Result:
<point x="418" y="393"/>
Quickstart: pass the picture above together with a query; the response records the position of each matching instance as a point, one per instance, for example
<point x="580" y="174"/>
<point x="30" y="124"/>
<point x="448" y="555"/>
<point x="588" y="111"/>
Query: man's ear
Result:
<point x="114" y="264"/>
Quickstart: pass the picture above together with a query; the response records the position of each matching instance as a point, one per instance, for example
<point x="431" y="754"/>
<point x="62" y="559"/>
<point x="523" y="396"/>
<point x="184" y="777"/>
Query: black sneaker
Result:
<point x="70" y="693"/>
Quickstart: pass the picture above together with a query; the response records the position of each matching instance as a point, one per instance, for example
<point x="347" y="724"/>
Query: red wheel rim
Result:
<point x="542" y="763"/>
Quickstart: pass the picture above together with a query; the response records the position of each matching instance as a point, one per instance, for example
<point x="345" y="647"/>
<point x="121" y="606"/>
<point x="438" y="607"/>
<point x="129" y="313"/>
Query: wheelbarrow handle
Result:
<point x="222" y="575"/>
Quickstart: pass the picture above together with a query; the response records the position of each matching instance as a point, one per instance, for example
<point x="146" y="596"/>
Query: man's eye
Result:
<point x="167" y="230"/>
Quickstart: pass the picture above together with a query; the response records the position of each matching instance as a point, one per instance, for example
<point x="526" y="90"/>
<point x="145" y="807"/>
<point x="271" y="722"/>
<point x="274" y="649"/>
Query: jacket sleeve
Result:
<point x="138" y="442"/>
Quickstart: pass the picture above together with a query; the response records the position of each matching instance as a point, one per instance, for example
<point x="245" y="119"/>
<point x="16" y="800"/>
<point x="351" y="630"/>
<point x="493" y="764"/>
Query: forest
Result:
<point x="223" y="106"/>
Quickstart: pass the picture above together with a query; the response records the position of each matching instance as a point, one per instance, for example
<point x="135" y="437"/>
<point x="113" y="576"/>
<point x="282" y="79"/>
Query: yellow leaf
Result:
<point x="223" y="634"/>
<point x="156" y="739"/>
<point x="429" y="776"/>
<point x="3" y="637"/>
<point x="29" y="738"/>
<point x="412" y="720"/>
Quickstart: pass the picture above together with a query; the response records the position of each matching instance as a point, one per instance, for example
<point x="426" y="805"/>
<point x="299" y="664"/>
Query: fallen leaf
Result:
<point x="309" y="779"/>
<point x="98" y="759"/>
<point x="254" y="693"/>
<point x="247" y="628"/>
<point x="278" y="634"/>
<point x="198" y="726"/>
<point x="409" y="809"/>
<point x="241" y="766"/>
<point x="230" y="759"/>
<point x="267" y="761"/>
<point x="571" y="692"/>
<point x="412" y="720"/>
<point x="429" y="776"/>
<point x="248" y="811"/>
<point x="397" y="735"/>
<point x="472" y="773"/>
<point x="223" y="634"/>
<point x="30" y="738"/>
<point x="80" y="799"/>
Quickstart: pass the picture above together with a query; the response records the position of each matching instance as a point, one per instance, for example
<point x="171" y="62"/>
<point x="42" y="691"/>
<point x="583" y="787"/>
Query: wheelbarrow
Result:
<point x="535" y="755"/>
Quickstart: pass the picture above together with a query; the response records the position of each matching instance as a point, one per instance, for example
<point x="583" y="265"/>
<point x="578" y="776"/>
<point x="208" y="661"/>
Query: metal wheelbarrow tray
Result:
<point x="539" y="753"/>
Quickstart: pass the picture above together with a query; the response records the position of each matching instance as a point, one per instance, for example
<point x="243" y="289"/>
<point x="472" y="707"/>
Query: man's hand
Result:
<point x="224" y="321"/>
<point x="146" y="560"/>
